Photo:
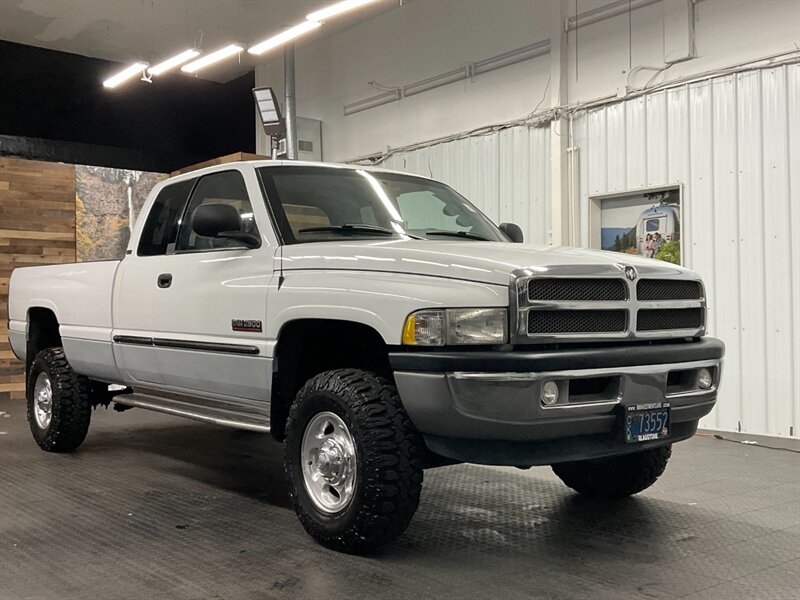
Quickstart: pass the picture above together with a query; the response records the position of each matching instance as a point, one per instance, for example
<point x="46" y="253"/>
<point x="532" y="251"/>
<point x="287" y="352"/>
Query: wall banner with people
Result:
<point x="641" y="223"/>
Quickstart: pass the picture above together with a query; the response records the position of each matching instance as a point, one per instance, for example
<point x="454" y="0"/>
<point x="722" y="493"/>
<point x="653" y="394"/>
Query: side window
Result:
<point x="652" y="224"/>
<point x="161" y="227"/>
<point x="228" y="188"/>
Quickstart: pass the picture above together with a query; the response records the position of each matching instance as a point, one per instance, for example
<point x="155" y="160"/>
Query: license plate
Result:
<point x="646" y="422"/>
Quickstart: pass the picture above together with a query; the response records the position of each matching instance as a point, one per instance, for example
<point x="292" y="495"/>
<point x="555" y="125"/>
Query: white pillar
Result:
<point x="559" y="128"/>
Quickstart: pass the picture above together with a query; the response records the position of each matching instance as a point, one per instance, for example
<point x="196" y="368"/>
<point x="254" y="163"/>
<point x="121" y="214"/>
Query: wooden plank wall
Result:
<point x="221" y="160"/>
<point x="37" y="227"/>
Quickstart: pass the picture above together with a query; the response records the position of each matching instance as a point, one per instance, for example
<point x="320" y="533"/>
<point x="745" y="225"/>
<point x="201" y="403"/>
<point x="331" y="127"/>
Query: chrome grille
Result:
<point x="577" y="290"/>
<point x="669" y="318"/>
<point x="577" y="321"/>
<point x="599" y="302"/>
<point x="648" y="290"/>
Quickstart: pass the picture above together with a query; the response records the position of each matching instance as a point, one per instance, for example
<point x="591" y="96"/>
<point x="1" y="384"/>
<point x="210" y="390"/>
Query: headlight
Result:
<point x="452" y="326"/>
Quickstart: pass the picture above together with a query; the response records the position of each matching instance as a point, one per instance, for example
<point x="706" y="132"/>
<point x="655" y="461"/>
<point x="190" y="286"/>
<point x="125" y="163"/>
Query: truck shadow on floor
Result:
<point x="238" y="461"/>
<point x="463" y="507"/>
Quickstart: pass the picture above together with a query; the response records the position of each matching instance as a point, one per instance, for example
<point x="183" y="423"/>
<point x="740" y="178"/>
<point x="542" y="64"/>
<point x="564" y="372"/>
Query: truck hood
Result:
<point x="485" y="262"/>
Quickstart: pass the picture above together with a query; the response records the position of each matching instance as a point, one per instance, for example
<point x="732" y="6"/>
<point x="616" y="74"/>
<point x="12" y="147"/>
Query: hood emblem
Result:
<point x="630" y="273"/>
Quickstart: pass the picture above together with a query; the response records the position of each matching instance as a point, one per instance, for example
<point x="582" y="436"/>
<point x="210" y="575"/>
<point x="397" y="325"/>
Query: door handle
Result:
<point x="165" y="280"/>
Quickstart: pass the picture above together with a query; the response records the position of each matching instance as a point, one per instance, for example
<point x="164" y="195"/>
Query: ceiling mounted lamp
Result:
<point x="283" y="37"/>
<point x="212" y="58"/>
<point x="125" y="74"/>
<point x="173" y="62"/>
<point x="334" y="10"/>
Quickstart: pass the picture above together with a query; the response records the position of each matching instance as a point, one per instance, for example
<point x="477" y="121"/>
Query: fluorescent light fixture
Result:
<point x="124" y="75"/>
<point x="335" y="10"/>
<point x="173" y="62"/>
<point x="210" y="59"/>
<point x="283" y="37"/>
<point x="269" y="110"/>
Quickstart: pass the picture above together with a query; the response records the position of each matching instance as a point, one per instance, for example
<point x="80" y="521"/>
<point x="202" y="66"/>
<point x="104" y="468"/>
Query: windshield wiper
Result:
<point x="460" y="234"/>
<point x="350" y="228"/>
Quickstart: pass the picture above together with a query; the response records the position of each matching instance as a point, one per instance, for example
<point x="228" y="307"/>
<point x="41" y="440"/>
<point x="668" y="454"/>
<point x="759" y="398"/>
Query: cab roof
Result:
<point x="257" y="164"/>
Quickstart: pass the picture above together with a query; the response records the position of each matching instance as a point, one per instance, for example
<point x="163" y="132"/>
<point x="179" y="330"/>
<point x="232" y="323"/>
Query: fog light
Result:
<point x="704" y="379"/>
<point x="549" y="393"/>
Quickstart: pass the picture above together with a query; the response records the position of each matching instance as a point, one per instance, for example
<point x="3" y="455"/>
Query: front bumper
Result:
<point x="484" y="407"/>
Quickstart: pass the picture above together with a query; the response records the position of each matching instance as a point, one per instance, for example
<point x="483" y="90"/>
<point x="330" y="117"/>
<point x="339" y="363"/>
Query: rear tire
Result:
<point x="59" y="404"/>
<point x="353" y="459"/>
<point x="617" y="476"/>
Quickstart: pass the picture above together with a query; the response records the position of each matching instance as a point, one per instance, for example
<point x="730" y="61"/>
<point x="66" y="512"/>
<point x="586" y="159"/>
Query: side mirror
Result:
<point x="222" y="221"/>
<point x="513" y="231"/>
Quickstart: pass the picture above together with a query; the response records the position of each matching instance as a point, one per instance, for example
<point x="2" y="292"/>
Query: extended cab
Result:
<point x="377" y="323"/>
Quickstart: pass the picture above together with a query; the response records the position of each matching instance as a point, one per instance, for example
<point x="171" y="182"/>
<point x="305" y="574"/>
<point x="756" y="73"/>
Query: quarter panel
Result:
<point x="78" y="294"/>
<point x="92" y="358"/>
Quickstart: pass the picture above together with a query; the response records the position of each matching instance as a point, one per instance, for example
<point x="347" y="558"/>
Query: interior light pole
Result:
<point x="291" y="114"/>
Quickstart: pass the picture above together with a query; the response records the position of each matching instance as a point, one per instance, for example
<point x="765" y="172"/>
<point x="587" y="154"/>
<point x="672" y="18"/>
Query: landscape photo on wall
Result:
<point x="107" y="202"/>
<point x="646" y="225"/>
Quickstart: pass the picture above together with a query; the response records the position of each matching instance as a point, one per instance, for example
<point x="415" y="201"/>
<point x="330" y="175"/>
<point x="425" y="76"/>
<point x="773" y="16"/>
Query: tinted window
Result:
<point x="161" y="227"/>
<point x="218" y="188"/>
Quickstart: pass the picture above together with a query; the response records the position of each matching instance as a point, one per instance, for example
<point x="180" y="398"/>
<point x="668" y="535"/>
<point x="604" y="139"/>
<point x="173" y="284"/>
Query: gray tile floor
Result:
<point x="156" y="507"/>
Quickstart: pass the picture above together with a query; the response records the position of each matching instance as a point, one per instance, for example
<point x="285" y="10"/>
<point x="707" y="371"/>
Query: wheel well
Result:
<point x="310" y="346"/>
<point x="43" y="333"/>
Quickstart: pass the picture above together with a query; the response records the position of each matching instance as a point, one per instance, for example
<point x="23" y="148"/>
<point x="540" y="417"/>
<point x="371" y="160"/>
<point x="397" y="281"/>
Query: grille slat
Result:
<point x="577" y="290"/>
<point x="651" y="290"/>
<point x="577" y="321"/>
<point x="664" y="319"/>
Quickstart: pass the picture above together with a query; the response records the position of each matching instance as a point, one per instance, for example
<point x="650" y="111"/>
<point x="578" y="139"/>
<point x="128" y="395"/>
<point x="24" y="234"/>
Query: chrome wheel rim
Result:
<point x="42" y="401"/>
<point x="328" y="458"/>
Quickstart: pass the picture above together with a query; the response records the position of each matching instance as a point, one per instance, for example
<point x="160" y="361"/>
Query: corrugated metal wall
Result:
<point x="506" y="174"/>
<point x="734" y="144"/>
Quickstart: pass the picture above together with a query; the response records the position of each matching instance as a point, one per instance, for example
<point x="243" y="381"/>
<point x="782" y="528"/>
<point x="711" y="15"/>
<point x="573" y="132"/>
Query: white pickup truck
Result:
<point x="378" y="324"/>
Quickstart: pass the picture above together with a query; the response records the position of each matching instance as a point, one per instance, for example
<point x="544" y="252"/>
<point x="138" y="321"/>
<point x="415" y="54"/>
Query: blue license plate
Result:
<point x="646" y="422"/>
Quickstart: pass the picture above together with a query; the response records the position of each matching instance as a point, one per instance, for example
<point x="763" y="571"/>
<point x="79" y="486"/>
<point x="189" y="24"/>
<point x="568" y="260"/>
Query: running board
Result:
<point x="207" y="414"/>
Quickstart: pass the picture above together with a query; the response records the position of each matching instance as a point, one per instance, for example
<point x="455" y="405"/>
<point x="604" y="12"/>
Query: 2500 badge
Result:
<point x="249" y="325"/>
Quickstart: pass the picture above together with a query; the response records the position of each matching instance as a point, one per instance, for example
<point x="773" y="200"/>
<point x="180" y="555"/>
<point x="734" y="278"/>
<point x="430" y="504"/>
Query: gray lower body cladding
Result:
<point x="485" y="407"/>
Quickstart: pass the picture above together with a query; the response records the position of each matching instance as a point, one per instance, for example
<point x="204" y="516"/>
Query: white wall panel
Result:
<point x="656" y="135"/>
<point x="793" y="137"/>
<point x="751" y="249"/>
<point x="636" y="147"/>
<point x="506" y="174"/>
<point x="733" y="144"/>
<point x="777" y="231"/>
<point x="726" y="313"/>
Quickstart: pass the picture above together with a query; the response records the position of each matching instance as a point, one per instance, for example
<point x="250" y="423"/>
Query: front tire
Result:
<point x="617" y="476"/>
<point x="59" y="404"/>
<point x="353" y="459"/>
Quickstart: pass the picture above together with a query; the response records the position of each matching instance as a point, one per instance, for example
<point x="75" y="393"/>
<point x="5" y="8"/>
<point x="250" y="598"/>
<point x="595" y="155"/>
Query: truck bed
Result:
<point x="79" y="296"/>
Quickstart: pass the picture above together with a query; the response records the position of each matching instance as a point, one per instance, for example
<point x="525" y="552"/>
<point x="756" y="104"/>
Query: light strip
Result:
<point x="173" y="62"/>
<point x="210" y="59"/>
<point x="124" y="75"/>
<point x="283" y="37"/>
<point x="336" y="9"/>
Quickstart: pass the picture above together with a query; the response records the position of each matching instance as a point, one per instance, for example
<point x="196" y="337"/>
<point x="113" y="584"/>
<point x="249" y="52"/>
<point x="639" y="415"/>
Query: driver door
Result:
<point x="210" y="319"/>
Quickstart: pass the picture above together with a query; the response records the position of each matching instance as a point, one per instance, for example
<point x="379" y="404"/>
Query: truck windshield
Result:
<point x="314" y="204"/>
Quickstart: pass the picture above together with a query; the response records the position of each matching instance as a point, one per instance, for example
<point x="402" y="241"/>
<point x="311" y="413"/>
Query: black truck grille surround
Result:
<point x="606" y="305"/>
<point x="577" y="321"/>
<point x="649" y="290"/>
<point x="669" y="318"/>
<point x="577" y="290"/>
